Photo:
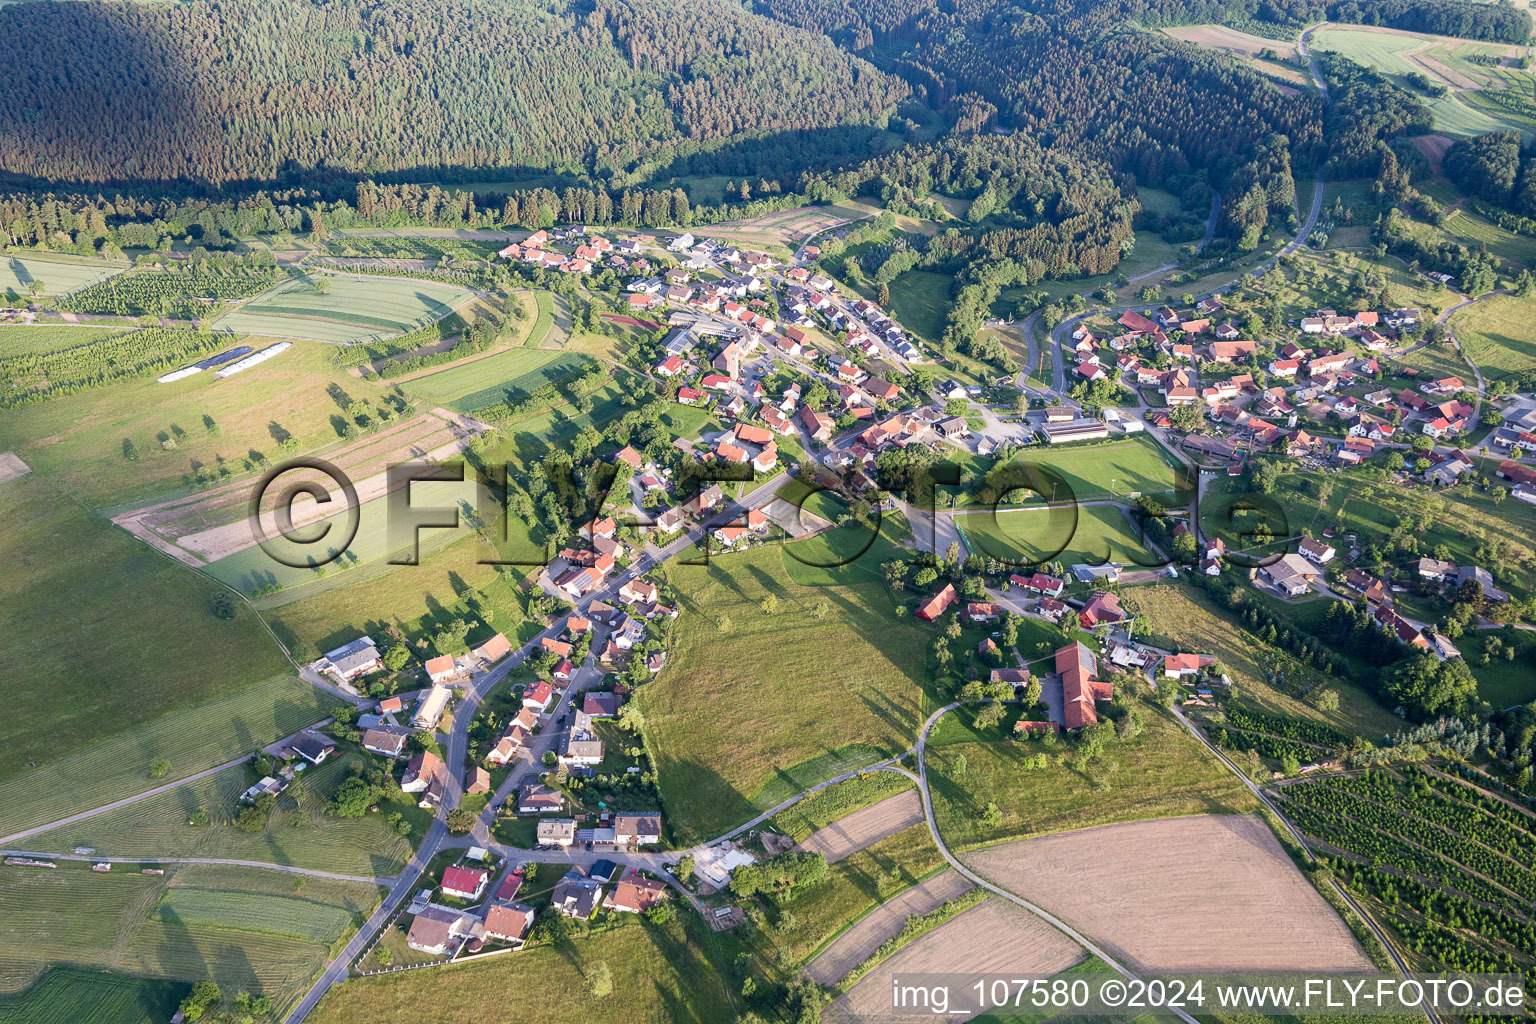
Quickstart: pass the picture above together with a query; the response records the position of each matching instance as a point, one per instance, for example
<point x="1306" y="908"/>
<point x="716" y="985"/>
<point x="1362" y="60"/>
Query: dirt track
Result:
<point x="850" y="834"/>
<point x="11" y="467"/>
<point x="992" y="938"/>
<point x="852" y="947"/>
<point x="1209" y="893"/>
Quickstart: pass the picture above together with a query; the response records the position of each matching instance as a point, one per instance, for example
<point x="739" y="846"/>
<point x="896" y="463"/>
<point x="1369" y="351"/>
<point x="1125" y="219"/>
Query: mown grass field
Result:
<point x="105" y="636"/>
<point x="1183" y="619"/>
<point x="1098" y="533"/>
<point x="192" y="739"/>
<point x="301" y="832"/>
<point x="69" y="995"/>
<point x="920" y="302"/>
<point x="739" y="709"/>
<point x="1160" y="773"/>
<point x="672" y="973"/>
<point x="506" y="376"/>
<point x="78" y="439"/>
<point x="418" y="599"/>
<point x="356" y="309"/>
<point x="1496" y="334"/>
<point x="54" y="275"/>
<point x="1440" y="58"/>
<point x="254" y="567"/>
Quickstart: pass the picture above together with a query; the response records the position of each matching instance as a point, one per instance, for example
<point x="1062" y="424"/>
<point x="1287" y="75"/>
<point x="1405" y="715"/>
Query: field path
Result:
<point x="851" y="833"/>
<point x="284" y="868"/>
<point x="869" y="932"/>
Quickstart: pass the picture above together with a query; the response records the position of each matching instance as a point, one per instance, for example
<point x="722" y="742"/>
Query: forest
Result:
<point x="212" y="93"/>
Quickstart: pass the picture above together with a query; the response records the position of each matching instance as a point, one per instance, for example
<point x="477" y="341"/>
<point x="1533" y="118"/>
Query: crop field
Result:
<point x="866" y="935"/>
<point x="301" y="832"/>
<point x="192" y="739"/>
<point x="152" y="634"/>
<point x="1443" y="866"/>
<point x="505" y="377"/>
<point x="1158" y="923"/>
<point x="73" y="916"/>
<point x="1247" y="48"/>
<point x="355" y="309"/>
<point x="68" y="995"/>
<point x="79" y="440"/>
<point x="850" y="834"/>
<point x="1097" y="533"/>
<point x="748" y="697"/>
<point x="52" y="275"/>
<point x="254" y="912"/>
<point x="1496" y="335"/>
<point x="781" y="228"/>
<point x="1163" y="771"/>
<point x="1442" y="59"/>
<point x="994" y="938"/>
<point x="660" y="974"/>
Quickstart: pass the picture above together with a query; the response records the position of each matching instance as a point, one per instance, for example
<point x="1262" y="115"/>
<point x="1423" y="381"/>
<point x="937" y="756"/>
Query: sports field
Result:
<point x="1496" y="334"/>
<point x="355" y="309"/>
<point x="52" y="275"/>
<point x="774" y="701"/>
<point x="1098" y="533"/>
<point x="509" y="376"/>
<point x="1118" y="469"/>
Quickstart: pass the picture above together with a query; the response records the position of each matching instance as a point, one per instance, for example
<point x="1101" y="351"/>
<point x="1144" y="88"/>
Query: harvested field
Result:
<point x="782" y="227"/>
<point x="851" y="834"/>
<point x="1220" y="37"/>
<point x="12" y="467"/>
<point x="348" y="310"/>
<point x="856" y="944"/>
<point x="993" y="938"/>
<point x="1204" y="893"/>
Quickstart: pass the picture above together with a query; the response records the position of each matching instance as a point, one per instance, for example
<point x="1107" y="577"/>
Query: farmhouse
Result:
<point x="936" y="605"/>
<point x="1103" y="607"/>
<point x="1090" y="430"/>
<point x="1077" y="666"/>
<point x="1292" y="575"/>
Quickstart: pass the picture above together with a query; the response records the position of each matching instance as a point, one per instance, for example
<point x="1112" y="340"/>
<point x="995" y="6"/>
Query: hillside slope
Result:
<point x="112" y="92"/>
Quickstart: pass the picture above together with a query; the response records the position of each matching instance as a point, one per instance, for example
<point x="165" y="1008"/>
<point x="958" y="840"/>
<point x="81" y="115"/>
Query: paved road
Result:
<point x="457" y="747"/>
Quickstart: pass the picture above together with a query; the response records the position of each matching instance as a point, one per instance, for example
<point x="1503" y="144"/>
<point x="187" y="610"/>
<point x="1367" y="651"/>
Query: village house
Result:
<point x="540" y="799"/>
<point x="509" y="922"/>
<point x="1102" y="608"/>
<point x="556" y="832"/>
<point x="642" y="828"/>
<point x="1292" y="575"/>
<point x="436" y="928"/>
<point x="635" y="893"/>
<point x="465" y="883"/>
